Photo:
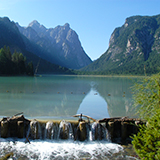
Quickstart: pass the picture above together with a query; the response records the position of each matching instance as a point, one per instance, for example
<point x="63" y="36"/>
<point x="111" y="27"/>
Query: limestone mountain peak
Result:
<point x="134" y="48"/>
<point x="37" y="26"/>
<point x="60" y="43"/>
<point x="67" y="25"/>
<point x="34" y="23"/>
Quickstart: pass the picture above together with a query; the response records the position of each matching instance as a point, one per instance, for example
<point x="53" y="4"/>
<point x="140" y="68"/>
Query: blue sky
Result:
<point x="93" y="20"/>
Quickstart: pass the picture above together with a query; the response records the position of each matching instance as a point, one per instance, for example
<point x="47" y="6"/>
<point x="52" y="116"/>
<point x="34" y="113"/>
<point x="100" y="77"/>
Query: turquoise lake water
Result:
<point x="61" y="97"/>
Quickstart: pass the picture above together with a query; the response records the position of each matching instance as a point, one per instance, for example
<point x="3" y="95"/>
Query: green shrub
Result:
<point x="147" y="142"/>
<point x="147" y="98"/>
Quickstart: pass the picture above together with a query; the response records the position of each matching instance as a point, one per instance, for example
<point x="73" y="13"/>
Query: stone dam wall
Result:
<point x="116" y="130"/>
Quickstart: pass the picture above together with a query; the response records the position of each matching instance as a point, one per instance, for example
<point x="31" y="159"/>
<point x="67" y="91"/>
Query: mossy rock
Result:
<point x="8" y="155"/>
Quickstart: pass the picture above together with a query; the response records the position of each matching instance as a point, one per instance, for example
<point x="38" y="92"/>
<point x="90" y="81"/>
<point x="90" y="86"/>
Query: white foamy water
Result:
<point x="49" y="149"/>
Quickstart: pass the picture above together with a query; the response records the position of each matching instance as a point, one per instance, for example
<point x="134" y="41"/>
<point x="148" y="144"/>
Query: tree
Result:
<point x="29" y="69"/>
<point x="147" y="142"/>
<point x="5" y="61"/>
<point x="8" y="53"/>
<point x="19" y="61"/>
<point x="147" y="98"/>
<point x="13" y="64"/>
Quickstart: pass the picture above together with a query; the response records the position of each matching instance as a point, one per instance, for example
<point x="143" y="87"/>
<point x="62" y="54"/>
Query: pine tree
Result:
<point x="13" y="64"/>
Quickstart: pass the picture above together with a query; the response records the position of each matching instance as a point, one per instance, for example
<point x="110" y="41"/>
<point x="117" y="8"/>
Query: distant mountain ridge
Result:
<point x="61" y="44"/>
<point x="134" y="48"/>
<point x="12" y="38"/>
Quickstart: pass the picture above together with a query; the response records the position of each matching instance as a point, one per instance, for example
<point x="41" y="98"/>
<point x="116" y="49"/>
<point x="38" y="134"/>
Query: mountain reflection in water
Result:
<point x="94" y="105"/>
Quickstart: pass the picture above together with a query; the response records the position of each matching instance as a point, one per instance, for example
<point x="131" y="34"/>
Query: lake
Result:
<point x="58" y="97"/>
<point x="61" y="97"/>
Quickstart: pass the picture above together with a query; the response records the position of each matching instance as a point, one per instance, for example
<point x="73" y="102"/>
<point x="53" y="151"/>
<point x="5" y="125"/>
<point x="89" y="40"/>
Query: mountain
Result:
<point x="61" y="44"/>
<point x="10" y="36"/>
<point x="134" y="48"/>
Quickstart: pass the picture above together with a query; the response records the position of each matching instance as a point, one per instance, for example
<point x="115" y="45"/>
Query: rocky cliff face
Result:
<point x="61" y="44"/>
<point x="137" y="35"/>
<point x="132" y="46"/>
<point x="12" y="38"/>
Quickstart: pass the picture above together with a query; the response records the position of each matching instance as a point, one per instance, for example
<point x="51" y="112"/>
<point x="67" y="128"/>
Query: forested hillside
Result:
<point x="12" y="38"/>
<point x="134" y="48"/>
<point x="14" y="64"/>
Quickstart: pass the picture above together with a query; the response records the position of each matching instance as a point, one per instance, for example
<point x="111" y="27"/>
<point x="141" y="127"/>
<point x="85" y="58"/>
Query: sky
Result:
<point x="93" y="20"/>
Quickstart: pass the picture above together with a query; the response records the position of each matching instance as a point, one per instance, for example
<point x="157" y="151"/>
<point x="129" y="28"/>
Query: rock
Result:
<point x="124" y="131"/>
<point x="64" y="129"/>
<point x="49" y="130"/>
<point x="15" y="126"/>
<point x="21" y="129"/>
<point x="111" y="129"/>
<point x="130" y="46"/>
<point x="98" y="131"/>
<point x="82" y="131"/>
<point x="34" y="129"/>
<point x="4" y="128"/>
<point x="61" y="44"/>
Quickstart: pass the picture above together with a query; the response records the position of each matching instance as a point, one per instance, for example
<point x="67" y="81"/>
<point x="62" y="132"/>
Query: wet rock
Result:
<point x="111" y="129"/>
<point x="4" y="128"/>
<point x="7" y="156"/>
<point x="98" y="131"/>
<point x="124" y="131"/>
<point x="49" y="130"/>
<point x="14" y="126"/>
<point x="82" y="131"/>
<point x="64" y="130"/>
<point x="21" y="129"/>
<point x="34" y="129"/>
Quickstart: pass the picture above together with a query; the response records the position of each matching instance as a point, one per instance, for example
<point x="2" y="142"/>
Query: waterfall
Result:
<point x="62" y="140"/>
<point x="35" y="130"/>
<point x="59" y="130"/>
<point x="99" y="132"/>
<point x="65" y="130"/>
<point x="51" y="130"/>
